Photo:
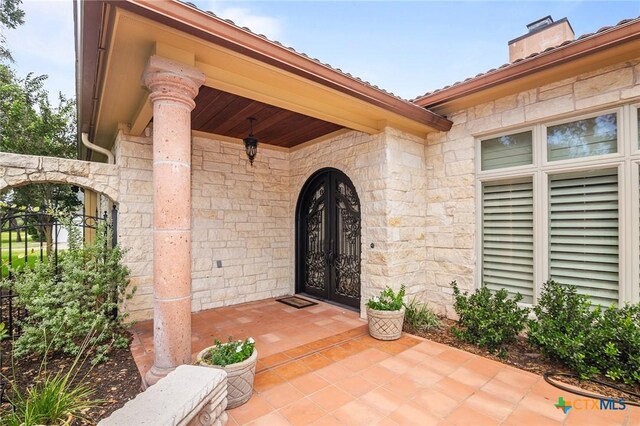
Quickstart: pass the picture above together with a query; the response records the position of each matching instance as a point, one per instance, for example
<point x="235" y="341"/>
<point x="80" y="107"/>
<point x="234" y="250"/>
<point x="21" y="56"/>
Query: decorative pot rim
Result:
<point x="201" y="361"/>
<point x="380" y="310"/>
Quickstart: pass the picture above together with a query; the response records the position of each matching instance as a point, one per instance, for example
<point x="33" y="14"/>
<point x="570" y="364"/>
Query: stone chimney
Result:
<point x="543" y="33"/>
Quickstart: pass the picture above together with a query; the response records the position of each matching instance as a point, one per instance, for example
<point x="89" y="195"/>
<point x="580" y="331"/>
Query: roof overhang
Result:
<point x="599" y="50"/>
<point x="116" y="38"/>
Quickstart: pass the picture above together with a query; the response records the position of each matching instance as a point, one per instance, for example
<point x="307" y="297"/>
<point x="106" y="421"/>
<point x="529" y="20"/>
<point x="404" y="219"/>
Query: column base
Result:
<point x="154" y="375"/>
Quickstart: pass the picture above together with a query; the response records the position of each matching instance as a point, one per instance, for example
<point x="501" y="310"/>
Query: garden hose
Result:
<point x="547" y="378"/>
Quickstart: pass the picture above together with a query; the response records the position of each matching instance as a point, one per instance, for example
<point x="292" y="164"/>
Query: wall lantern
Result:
<point x="251" y="142"/>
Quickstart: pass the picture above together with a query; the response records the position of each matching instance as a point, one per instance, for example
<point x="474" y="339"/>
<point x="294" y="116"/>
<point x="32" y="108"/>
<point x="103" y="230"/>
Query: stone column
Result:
<point x="173" y="87"/>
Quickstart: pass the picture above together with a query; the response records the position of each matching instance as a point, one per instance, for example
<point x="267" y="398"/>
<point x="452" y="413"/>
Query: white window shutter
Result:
<point x="507" y="237"/>
<point x="583" y="233"/>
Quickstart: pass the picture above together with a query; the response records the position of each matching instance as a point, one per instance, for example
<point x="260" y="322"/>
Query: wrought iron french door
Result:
<point x="328" y="239"/>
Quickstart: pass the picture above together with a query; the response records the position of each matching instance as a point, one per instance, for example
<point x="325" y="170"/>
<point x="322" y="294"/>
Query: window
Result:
<point x="583" y="232"/>
<point x="507" y="238"/>
<point x="583" y="138"/>
<point x="565" y="212"/>
<point x="506" y="151"/>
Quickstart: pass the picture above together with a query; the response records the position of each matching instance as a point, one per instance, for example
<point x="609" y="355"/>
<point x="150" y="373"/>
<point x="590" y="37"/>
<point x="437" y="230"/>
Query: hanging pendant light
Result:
<point x="251" y="142"/>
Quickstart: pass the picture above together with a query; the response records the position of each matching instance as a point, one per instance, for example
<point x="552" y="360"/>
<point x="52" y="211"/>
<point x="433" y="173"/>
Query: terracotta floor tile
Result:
<point x="291" y="370"/>
<point x="328" y="420"/>
<point x="353" y="346"/>
<point x="331" y="398"/>
<point x="251" y="410"/>
<point x="525" y="417"/>
<point x="392" y="347"/>
<point x="298" y="351"/>
<point x="454" y="389"/>
<point x="356" y="413"/>
<point x="456" y="356"/>
<point x="275" y="359"/>
<point x="316" y="361"/>
<point x="430" y="348"/>
<point x="414" y="413"/>
<point x="378" y="375"/>
<point x="469" y="377"/>
<point x="302" y="412"/>
<point x="336" y="353"/>
<point x="355" y="385"/>
<point x="465" y="416"/>
<point x="334" y="372"/>
<point x="499" y="389"/>
<point x="440" y="366"/>
<point x="423" y="376"/>
<point x="281" y="395"/>
<point x="271" y="419"/>
<point x="404" y="387"/>
<point x="396" y="365"/>
<point x="382" y="400"/>
<point x="309" y="383"/>
<point x="413" y="356"/>
<point x="595" y="417"/>
<point x="484" y="367"/>
<point x="490" y="405"/>
<point x="542" y="406"/>
<point x="517" y="378"/>
<point x="266" y="380"/>
<point x="385" y="421"/>
<point x="436" y="403"/>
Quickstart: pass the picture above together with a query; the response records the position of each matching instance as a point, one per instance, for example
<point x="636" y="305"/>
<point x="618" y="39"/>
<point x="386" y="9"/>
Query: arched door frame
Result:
<point x="302" y="197"/>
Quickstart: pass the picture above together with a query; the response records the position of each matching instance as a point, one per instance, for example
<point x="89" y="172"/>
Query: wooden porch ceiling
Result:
<point x="223" y="113"/>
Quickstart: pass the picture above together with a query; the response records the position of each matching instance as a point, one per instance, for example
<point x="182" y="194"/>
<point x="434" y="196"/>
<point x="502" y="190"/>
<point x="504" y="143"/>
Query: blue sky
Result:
<point x="408" y="47"/>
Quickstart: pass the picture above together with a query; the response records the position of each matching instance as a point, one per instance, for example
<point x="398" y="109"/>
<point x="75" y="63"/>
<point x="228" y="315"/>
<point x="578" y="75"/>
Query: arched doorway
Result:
<point x="328" y="239"/>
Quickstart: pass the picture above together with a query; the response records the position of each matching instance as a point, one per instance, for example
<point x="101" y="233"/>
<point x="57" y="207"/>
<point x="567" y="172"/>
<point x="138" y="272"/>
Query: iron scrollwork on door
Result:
<point x="347" y="262"/>
<point x="315" y="262"/>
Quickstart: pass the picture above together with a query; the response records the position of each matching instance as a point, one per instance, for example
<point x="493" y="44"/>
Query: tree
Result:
<point x="10" y="17"/>
<point x="30" y="125"/>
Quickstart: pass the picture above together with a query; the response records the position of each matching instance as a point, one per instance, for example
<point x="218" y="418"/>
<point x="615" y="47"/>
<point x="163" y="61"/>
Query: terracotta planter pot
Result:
<point x="385" y="325"/>
<point x="239" y="377"/>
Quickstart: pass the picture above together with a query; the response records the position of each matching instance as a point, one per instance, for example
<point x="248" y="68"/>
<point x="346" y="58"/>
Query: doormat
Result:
<point x="296" y="302"/>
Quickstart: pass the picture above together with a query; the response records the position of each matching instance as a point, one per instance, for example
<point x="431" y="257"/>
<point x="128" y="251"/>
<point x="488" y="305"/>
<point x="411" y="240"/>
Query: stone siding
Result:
<point x="450" y="157"/>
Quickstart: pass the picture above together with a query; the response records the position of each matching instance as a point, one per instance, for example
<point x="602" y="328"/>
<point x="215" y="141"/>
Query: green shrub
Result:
<point x="224" y="354"/>
<point x="614" y="343"/>
<point x="90" y="284"/>
<point x="418" y="316"/>
<point x="388" y="300"/>
<point x="490" y="320"/>
<point x="563" y="326"/>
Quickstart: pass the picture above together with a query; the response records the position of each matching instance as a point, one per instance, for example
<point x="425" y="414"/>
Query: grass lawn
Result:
<point x="18" y="252"/>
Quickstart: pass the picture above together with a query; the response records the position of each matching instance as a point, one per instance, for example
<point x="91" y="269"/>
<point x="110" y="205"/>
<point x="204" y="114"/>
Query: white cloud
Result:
<point x="261" y="24"/>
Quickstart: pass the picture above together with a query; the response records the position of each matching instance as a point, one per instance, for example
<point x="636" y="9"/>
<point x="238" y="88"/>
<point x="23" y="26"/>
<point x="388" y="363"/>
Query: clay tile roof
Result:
<point x="531" y="56"/>
<point x="299" y="53"/>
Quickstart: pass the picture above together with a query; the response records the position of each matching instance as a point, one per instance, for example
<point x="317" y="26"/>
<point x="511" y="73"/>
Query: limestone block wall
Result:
<point x="450" y="158"/>
<point x="241" y="242"/>
<point x="388" y="172"/>
<point x="241" y="224"/>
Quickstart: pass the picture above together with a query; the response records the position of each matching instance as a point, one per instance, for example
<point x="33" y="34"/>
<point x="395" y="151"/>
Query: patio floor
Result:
<point x="318" y="365"/>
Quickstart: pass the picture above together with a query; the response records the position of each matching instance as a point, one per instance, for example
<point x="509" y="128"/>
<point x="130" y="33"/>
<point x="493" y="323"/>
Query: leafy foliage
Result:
<point x="10" y="17"/>
<point x="63" y="307"/>
<point x="564" y="320"/>
<point x="52" y="399"/>
<point x="232" y="352"/>
<point x="388" y="300"/>
<point x="489" y="320"/>
<point x="587" y="339"/>
<point x="418" y="316"/>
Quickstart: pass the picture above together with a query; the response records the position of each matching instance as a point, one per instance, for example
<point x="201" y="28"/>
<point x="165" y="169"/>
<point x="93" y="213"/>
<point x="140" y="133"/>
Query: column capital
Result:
<point x="172" y="81"/>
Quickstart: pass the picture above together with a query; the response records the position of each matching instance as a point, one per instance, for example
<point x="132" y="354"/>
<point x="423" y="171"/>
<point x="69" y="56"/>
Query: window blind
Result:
<point x="583" y="233"/>
<point x="507" y="237"/>
<point x="506" y="151"/>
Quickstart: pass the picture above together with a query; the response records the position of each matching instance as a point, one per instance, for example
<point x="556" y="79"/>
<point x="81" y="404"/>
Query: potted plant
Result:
<point x="238" y="358"/>
<point x="386" y="314"/>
